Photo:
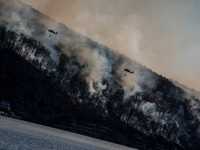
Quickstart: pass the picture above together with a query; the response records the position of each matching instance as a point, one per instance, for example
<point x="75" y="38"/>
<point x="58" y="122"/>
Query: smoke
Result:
<point x="131" y="27"/>
<point x="103" y="68"/>
<point x="98" y="62"/>
<point x="159" y="34"/>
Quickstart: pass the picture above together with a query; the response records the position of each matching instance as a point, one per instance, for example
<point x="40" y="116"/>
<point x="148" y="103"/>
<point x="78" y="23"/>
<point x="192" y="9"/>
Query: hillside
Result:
<point x="36" y="98"/>
<point x="187" y="89"/>
<point x="82" y="84"/>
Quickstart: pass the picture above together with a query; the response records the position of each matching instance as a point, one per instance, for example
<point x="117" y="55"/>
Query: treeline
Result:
<point x="62" y="70"/>
<point x="35" y="97"/>
<point x="76" y="105"/>
<point x="27" y="47"/>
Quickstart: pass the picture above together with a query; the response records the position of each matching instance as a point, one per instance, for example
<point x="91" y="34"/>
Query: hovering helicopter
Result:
<point x="128" y="71"/>
<point x="53" y="31"/>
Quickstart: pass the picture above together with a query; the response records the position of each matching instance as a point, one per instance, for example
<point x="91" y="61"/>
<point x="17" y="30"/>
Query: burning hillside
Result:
<point x="89" y="72"/>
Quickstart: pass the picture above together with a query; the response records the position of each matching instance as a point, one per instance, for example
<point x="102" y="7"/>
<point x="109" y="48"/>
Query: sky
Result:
<point x="162" y="35"/>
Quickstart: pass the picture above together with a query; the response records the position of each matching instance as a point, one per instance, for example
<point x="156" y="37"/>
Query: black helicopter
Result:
<point x="52" y="31"/>
<point x="128" y="71"/>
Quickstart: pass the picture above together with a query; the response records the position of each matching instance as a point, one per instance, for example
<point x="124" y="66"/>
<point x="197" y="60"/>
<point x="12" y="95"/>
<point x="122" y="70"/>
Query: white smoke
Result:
<point x="98" y="62"/>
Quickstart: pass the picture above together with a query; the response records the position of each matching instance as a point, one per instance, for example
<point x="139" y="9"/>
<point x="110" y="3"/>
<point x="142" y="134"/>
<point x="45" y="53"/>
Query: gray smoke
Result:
<point x="162" y="35"/>
<point x="98" y="61"/>
<point x="161" y="112"/>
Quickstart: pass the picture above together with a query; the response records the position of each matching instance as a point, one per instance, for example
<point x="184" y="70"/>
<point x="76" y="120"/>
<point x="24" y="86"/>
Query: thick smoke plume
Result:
<point x="99" y="63"/>
<point x="162" y="35"/>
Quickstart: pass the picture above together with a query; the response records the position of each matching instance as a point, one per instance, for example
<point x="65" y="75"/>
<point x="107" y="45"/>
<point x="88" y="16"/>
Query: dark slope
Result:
<point x="36" y="98"/>
<point x="31" y="93"/>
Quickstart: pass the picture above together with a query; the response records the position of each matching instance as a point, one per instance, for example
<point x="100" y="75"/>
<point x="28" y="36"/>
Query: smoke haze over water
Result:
<point x="162" y="35"/>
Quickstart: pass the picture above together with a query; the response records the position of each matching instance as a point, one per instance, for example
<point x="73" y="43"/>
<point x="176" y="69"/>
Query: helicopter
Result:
<point x="127" y="70"/>
<point x="53" y="31"/>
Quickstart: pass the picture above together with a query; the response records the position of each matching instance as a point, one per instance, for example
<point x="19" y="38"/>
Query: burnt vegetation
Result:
<point x="41" y="91"/>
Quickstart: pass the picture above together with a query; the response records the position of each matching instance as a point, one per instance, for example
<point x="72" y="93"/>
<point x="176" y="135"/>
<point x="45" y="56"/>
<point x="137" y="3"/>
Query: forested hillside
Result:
<point x="69" y="81"/>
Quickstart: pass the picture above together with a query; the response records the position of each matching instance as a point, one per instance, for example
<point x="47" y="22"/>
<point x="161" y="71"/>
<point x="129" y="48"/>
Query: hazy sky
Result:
<point x="163" y="35"/>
